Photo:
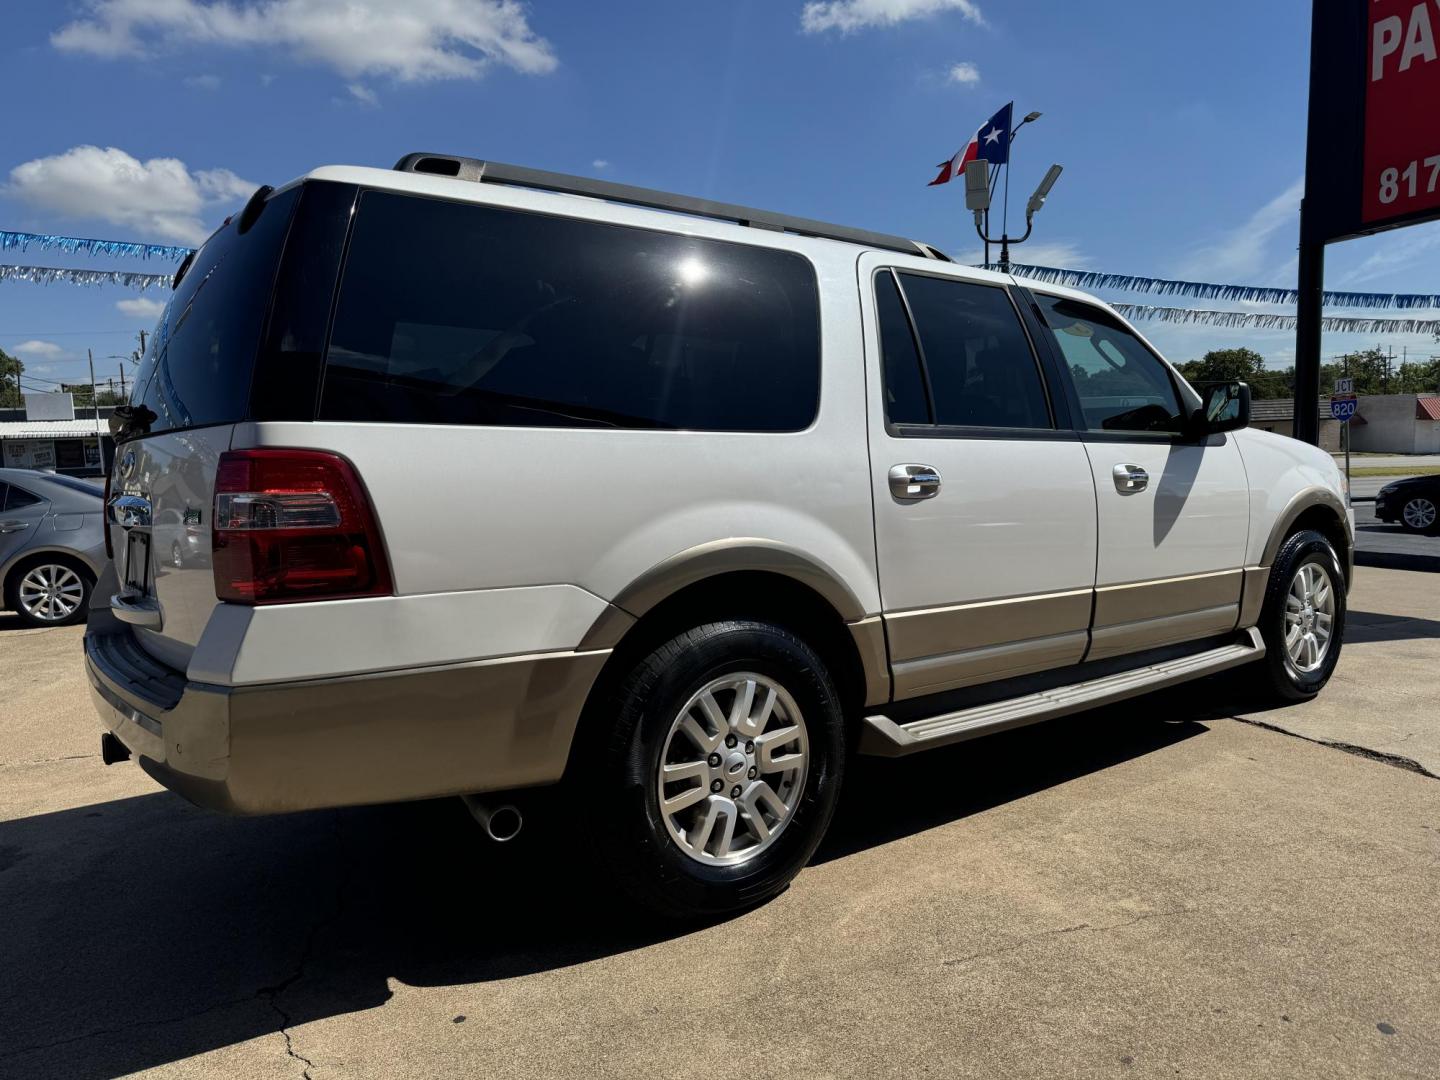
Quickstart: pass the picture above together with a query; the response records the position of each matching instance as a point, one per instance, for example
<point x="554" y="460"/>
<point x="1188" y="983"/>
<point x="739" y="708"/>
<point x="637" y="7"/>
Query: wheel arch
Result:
<point x="1319" y="509"/>
<point x="30" y="554"/>
<point x="786" y="591"/>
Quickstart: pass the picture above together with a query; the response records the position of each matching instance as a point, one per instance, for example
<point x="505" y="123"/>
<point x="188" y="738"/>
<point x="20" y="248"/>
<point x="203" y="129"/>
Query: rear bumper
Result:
<point x="481" y="726"/>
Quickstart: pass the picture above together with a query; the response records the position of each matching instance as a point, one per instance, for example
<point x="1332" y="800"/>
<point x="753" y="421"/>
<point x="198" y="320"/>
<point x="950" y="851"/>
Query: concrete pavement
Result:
<point x="1154" y="890"/>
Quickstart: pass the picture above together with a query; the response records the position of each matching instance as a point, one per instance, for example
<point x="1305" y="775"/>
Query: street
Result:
<point x="1155" y="889"/>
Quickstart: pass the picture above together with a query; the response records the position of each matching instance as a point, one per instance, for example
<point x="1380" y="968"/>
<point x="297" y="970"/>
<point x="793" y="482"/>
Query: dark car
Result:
<point x="52" y="545"/>
<point x="1412" y="502"/>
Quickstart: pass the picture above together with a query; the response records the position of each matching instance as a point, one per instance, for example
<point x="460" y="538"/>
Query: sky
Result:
<point x="1181" y="128"/>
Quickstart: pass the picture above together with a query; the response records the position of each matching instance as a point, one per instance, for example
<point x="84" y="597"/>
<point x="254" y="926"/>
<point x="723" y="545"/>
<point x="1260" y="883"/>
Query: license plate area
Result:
<point x="137" y="563"/>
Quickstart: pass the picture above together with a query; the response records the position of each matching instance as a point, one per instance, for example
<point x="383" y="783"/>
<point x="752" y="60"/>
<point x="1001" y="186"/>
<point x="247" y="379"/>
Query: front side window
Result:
<point x="1122" y="385"/>
<point x="452" y="313"/>
<point x="981" y="368"/>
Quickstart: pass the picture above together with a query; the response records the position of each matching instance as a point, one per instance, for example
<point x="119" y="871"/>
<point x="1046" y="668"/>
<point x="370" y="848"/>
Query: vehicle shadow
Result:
<point x="1394" y="560"/>
<point x="143" y="931"/>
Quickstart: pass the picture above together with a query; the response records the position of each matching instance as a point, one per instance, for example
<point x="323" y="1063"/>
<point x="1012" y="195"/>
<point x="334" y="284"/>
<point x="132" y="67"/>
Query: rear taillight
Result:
<point x="294" y="525"/>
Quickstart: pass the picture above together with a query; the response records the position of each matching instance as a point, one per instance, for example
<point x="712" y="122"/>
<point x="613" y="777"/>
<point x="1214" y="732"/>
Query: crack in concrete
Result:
<point x="1077" y="928"/>
<point x="269" y="994"/>
<point x="181" y="1018"/>
<point x="272" y="994"/>
<point x="1398" y="761"/>
<point x="47" y="760"/>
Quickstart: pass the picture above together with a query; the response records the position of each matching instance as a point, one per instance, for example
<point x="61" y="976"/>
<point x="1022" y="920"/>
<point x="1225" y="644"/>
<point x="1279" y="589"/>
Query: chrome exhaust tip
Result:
<point x="501" y="823"/>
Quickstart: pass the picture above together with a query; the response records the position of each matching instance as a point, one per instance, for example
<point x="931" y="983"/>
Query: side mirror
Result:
<point x="1224" y="406"/>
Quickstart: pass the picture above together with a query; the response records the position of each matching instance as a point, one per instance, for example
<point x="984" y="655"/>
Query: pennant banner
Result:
<point x="23" y="241"/>
<point x="1203" y="290"/>
<point x="44" y="275"/>
<point x="1255" y="320"/>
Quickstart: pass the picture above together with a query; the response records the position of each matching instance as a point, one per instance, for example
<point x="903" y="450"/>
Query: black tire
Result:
<point x="1277" y="675"/>
<point x="1422" y="529"/>
<point x="12" y="589"/>
<point x="618" y="785"/>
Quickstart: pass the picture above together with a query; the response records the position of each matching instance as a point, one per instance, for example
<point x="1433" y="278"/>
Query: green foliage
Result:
<point x="10" y="371"/>
<point x="1228" y="365"/>
<point x="1374" y="370"/>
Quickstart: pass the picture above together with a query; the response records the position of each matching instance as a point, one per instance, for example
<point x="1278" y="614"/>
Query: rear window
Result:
<point x="452" y="313"/>
<point x="198" y="367"/>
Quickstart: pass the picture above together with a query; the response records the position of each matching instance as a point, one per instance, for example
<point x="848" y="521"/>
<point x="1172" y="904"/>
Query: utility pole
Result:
<point x="142" y="345"/>
<point x="94" y="396"/>
<point x="123" y="396"/>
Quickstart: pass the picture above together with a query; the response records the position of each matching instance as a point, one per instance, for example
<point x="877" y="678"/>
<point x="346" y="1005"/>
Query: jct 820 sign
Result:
<point x="1402" y="110"/>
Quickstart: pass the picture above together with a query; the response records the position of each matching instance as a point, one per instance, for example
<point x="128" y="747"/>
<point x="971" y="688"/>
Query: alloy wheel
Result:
<point x="1419" y="513"/>
<point x="1309" y="617"/>
<point x="732" y="769"/>
<point x="51" y="592"/>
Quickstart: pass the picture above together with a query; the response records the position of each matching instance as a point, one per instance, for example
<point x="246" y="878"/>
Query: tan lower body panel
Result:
<point x="480" y="726"/>
<point x="1150" y="614"/>
<point x="1252" y="595"/>
<point x="937" y="649"/>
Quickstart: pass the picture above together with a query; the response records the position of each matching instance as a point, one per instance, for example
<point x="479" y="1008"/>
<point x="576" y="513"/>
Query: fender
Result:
<point x="1258" y="577"/>
<point x="735" y="554"/>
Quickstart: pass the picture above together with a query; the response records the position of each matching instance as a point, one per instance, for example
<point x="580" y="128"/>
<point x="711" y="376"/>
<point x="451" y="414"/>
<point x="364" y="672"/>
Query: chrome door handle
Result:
<point x="914" y="481"/>
<point x="13" y="526"/>
<point x="1130" y="479"/>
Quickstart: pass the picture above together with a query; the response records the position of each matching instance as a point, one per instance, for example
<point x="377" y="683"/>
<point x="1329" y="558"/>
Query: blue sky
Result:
<point x="1180" y="126"/>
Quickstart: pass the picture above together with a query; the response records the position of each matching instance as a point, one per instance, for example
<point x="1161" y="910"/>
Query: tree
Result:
<point x="1370" y="368"/>
<point x="10" y="371"/>
<point x="1229" y="365"/>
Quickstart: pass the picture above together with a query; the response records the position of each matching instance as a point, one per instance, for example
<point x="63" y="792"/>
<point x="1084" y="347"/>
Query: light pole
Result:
<point x="1030" y="118"/>
<point x="977" y="199"/>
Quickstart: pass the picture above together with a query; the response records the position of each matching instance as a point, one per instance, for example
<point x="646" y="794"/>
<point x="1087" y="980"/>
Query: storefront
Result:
<point x="66" y="451"/>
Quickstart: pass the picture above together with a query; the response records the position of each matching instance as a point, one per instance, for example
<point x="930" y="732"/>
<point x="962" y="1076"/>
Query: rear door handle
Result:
<point x="1130" y="479"/>
<point x="914" y="481"/>
<point x="13" y="526"/>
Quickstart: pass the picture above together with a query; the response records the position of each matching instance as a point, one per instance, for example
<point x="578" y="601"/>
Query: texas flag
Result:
<point x="991" y="143"/>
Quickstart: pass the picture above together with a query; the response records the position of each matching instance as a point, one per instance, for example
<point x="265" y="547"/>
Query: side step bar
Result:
<point x="883" y="737"/>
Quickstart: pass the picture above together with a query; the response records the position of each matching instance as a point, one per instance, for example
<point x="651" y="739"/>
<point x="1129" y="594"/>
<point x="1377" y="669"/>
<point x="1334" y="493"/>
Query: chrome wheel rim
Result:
<point x="1309" y="617"/>
<point x="51" y="592"/>
<point x="1419" y="513"/>
<point x="732" y="769"/>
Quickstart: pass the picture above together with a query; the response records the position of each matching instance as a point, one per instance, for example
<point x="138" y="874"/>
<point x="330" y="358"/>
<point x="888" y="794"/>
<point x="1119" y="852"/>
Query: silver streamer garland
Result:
<point x="1204" y="290"/>
<point x="1259" y="321"/>
<point x="44" y="275"/>
<point x="23" y="241"/>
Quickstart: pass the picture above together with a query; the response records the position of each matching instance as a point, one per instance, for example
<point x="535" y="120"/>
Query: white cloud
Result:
<point x="140" y="307"/>
<point x="363" y="94"/>
<point x="600" y="163"/>
<point x="848" y="16"/>
<point x="417" y="40"/>
<point x="964" y="73"/>
<point x="202" y="82"/>
<point x="1242" y="252"/>
<point x="159" y="199"/>
<point x="38" y="351"/>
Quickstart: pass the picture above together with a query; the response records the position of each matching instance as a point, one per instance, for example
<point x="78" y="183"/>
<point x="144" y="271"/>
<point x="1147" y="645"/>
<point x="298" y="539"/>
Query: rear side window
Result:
<point x="905" y="397"/>
<point x="16" y="497"/>
<point x="981" y="368"/>
<point x="198" y="368"/>
<point x="451" y="313"/>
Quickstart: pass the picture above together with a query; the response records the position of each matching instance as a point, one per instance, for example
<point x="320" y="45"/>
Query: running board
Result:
<point x="883" y="737"/>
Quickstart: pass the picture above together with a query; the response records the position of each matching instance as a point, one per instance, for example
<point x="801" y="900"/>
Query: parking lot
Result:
<point x="1175" y="887"/>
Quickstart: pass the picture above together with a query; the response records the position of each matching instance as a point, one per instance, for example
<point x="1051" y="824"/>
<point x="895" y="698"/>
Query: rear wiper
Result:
<point x="131" y="422"/>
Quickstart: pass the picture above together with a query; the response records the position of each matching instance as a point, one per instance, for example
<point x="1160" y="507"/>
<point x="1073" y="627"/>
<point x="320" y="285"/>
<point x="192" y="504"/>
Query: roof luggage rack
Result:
<point x="494" y="172"/>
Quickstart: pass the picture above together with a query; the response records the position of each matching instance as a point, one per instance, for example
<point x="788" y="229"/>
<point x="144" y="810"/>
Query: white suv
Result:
<point x="508" y="479"/>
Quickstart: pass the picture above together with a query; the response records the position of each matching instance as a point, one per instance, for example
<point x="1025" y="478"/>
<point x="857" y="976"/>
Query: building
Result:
<point x="1278" y="415"/>
<point x="1399" y="424"/>
<point x="47" y="434"/>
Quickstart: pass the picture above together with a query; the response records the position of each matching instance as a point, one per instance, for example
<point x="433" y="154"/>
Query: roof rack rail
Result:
<point x="494" y="172"/>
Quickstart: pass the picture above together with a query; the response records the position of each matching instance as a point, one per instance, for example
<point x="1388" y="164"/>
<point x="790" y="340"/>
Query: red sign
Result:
<point x="1402" y="110"/>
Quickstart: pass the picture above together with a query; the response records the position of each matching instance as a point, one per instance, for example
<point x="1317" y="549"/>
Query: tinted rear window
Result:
<point x="452" y="313"/>
<point x="198" y="366"/>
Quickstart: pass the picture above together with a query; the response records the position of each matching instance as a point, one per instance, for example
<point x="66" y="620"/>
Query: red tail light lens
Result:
<point x="294" y="525"/>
